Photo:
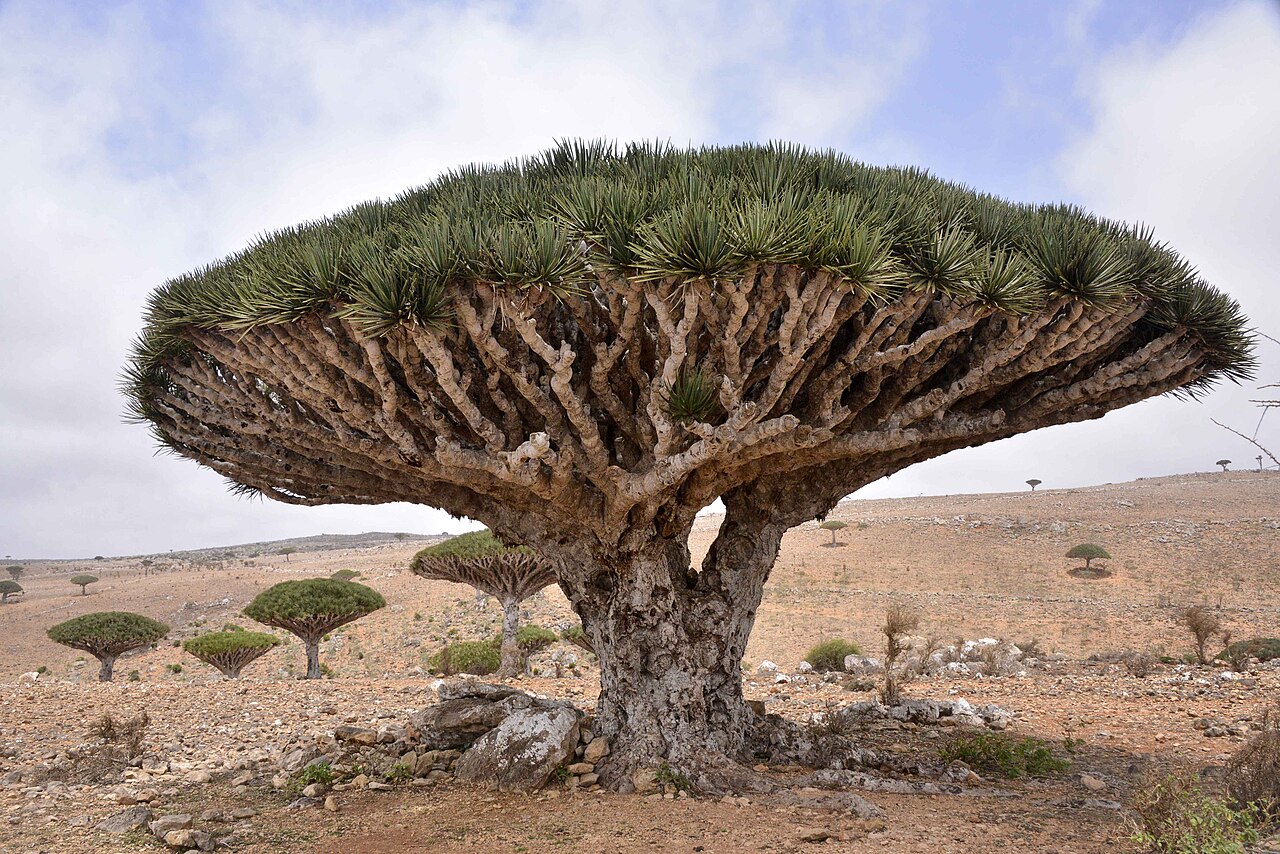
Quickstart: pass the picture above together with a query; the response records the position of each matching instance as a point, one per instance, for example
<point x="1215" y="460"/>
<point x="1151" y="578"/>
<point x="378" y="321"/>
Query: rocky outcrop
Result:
<point x="522" y="751"/>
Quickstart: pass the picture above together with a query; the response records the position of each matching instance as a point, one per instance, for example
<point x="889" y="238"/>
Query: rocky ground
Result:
<point x="975" y="566"/>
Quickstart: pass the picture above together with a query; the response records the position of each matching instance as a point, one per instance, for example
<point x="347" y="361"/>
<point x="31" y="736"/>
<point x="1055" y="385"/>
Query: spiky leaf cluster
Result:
<point x="559" y="220"/>
<point x="84" y="580"/>
<point x="108" y="632"/>
<point x="308" y="599"/>
<point x="1089" y="551"/>
<point x="480" y="543"/>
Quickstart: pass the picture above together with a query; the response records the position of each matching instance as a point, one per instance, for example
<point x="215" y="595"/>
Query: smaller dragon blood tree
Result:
<point x="107" y="635"/>
<point x="311" y="608"/>
<point x="231" y="650"/>
<point x="509" y="574"/>
<point x="1089" y="552"/>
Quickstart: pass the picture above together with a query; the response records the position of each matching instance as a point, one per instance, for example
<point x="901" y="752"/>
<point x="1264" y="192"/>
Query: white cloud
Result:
<point x="129" y="162"/>
<point x="1184" y="137"/>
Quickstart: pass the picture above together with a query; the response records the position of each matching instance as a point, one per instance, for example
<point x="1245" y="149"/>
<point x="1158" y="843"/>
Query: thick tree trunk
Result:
<point x="670" y="642"/>
<point x="108" y="664"/>
<point x="313" y="658"/>
<point x="512" y="661"/>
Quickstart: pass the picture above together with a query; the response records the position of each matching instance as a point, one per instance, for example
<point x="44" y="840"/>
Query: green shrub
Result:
<point x="174" y="668"/>
<point x="830" y="654"/>
<point x="532" y="638"/>
<point x="231" y="650"/>
<point x="996" y="752"/>
<point x="42" y="670"/>
<point x="399" y="773"/>
<point x="1174" y="816"/>
<point x="317" y="772"/>
<point x="577" y="636"/>
<point x="1263" y="649"/>
<point x="135" y="676"/>
<point x="479" y="658"/>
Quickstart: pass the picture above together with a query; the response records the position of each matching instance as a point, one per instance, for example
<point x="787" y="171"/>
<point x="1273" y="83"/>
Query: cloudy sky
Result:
<point x="139" y="140"/>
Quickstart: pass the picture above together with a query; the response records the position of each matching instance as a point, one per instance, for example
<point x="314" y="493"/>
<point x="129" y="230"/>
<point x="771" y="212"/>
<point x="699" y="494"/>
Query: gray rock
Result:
<point x="166" y="823"/>
<point x="457" y="722"/>
<point x="126" y="821"/>
<point x="596" y="750"/>
<point x="356" y="735"/>
<point x="458" y="689"/>
<point x="522" y="751"/>
<point x="862" y="665"/>
<point x="188" y="839"/>
<point x="301" y="803"/>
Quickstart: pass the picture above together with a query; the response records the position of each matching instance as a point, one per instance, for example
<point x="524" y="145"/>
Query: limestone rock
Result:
<point x="166" y="823"/>
<point x="522" y="751"/>
<point x="188" y="839"/>
<point x="596" y="750"/>
<point x="126" y="821"/>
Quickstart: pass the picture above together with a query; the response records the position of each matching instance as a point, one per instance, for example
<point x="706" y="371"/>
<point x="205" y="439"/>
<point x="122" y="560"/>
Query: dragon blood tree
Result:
<point x="311" y="608"/>
<point x="107" y="635"/>
<point x="231" y="650"/>
<point x="583" y="349"/>
<point x="509" y="574"/>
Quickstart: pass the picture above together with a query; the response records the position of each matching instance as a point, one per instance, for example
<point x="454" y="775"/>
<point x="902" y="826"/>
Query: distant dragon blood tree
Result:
<point x="583" y="349"/>
<point x="230" y="651"/>
<point x="510" y="575"/>
<point x="83" y="582"/>
<point x="107" y="635"/>
<point x="311" y="608"/>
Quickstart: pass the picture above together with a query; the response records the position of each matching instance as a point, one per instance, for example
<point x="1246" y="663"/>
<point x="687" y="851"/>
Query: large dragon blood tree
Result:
<point x="583" y="349"/>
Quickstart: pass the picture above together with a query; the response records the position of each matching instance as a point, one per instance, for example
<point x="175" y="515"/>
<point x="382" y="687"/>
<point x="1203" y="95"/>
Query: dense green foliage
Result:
<point x="479" y="658"/>
<point x="312" y="597"/>
<point x="1263" y="649"/>
<point x="997" y="752"/>
<point x="214" y="643"/>
<point x="345" y="575"/>
<point x="108" y="630"/>
<point x="15" y="571"/>
<point x="474" y="544"/>
<point x="651" y="211"/>
<point x="9" y="588"/>
<point x="830" y="654"/>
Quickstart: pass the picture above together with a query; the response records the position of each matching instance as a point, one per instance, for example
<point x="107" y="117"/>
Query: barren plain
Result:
<point x="974" y="566"/>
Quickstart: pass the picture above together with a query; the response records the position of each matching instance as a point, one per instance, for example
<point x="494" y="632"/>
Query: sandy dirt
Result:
<point x="974" y="566"/>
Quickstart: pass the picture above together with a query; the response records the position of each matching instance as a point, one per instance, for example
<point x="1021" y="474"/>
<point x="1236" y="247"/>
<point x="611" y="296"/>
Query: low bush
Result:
<point x="830" y="654"/>
<point x="317" y="772"/>
<point x="997" y="752"/>
<point x="1253" y="772"/>
<point x="1139" y="664"/>
<point x="532" y="639"/>
<point x="479" y="658"/>
<point x="1263" y="649"/>
<point x="1173" y="815"/>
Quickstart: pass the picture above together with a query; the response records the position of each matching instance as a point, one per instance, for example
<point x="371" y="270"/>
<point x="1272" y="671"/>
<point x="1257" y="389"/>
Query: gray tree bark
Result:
<point x="313" y="657"/>
<point x="108" y="665"/>
<point x="512" y="660"/>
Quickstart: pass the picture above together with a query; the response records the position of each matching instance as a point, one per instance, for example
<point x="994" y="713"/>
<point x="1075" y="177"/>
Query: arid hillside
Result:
<point x="974" y="565"/>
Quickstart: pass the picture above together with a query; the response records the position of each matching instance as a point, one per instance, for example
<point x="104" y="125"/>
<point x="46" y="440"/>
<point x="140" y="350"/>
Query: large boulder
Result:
<point x="458" y="722"/>
<point x="522" y="751"/>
